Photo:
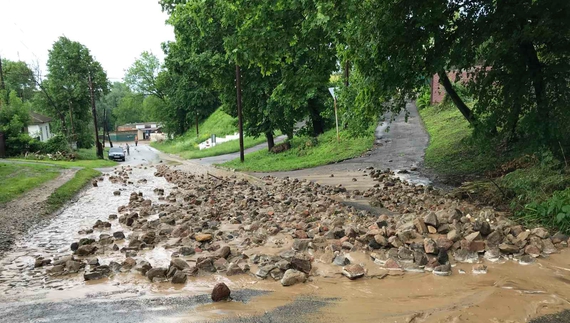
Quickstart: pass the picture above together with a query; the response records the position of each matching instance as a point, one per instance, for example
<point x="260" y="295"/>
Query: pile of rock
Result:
<point x="211" y="223"/>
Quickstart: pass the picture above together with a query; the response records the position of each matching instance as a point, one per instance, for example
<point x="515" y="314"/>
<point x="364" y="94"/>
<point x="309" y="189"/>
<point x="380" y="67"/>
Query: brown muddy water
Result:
<point x="508" y="293"/>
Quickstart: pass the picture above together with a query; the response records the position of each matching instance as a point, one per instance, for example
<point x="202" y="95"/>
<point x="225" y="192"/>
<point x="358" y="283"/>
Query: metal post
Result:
<point x="94" y="111"/>
<point x="240" y="119"/>
<point x="336" y="118"/>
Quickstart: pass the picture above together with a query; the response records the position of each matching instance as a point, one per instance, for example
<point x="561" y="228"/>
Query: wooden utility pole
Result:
<point x="197" y="130"/>
<point x="2" y="139"/>
<point x="106" y="130"/>
<point x="240" y="119"/>
<point x="94" y="111"/>
<point x="2" y="85"/>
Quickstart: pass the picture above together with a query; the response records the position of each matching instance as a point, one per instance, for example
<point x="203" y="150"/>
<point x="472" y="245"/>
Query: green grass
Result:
<point x="97" y="163"/>
<point x="221" y="149"/>
<point x="65" y="192"/>
<point x="219" y="123"/>
<point x="306" y="153"/>
<point x="451" y="150"/>
<point x="16" y="179"/>
<point x="90" y="154"/>
<point x="536" y="190"/>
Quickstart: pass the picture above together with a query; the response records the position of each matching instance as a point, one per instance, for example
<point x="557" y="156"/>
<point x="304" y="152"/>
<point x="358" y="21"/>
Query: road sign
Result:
<point x="331" y="90"/>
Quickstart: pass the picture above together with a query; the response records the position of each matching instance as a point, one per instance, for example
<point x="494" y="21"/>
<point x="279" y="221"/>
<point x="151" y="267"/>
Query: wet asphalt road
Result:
<point x="402" y="147"/>
<point x="125" y="310"/>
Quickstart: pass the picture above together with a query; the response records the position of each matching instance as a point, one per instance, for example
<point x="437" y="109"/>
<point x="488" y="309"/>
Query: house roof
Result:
<point x="36" y="118"/>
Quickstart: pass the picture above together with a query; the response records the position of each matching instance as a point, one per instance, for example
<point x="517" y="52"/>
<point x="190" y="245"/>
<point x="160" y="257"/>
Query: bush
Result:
<point x="554" y="212"/>
<point x="56" y="144"/>
<point x="22" y="143"/>
<point x="424" y="99"/>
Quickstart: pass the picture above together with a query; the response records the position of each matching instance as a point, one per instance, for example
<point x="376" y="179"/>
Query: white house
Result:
<point x="38" y="127"/>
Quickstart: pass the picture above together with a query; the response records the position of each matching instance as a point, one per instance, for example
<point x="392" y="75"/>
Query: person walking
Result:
<point x="128" y="152"/>
<point x="136" y="141"/>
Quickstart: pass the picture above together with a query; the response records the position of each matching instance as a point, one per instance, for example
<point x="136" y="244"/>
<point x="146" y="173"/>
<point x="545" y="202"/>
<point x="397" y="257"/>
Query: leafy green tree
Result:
<point x="18" y="77"/>
<point x="66" y="89"/>
<point x="130" y="109"/>
<point x="141" y="76"/>
<point x="109" y="102"/>
<point x="14" y="118"/>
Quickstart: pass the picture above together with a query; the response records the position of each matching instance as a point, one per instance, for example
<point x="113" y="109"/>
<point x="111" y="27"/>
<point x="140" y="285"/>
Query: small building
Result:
<point x="143" y="129"/>
<point x="38" y="127"/>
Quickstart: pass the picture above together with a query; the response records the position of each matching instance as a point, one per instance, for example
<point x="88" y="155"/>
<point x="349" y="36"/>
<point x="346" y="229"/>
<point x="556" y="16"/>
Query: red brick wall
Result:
<point x="437" y="90"/>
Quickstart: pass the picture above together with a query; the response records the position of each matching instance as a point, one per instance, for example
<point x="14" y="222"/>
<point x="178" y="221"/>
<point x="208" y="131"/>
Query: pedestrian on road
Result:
<point x="128" y="152"/>
<point x="136" y="141"/>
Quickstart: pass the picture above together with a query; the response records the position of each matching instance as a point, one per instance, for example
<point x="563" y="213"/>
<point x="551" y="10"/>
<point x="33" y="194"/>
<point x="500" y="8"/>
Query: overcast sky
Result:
<point x="115" y="31"/>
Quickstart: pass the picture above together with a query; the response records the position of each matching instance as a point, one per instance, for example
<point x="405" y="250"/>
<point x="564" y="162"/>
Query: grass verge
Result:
<point x="306" y="152"/>
<point x="65" y="192"/>
<point x="97" y="163"/>
<point x="16" y="179"/>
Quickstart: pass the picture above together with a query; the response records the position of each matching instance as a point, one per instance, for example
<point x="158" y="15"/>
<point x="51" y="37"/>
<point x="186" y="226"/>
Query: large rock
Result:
<point x="420" y="226"/>
<point x="86" y="250"/>
<point x="97" y="273"/>
<point x="341" y="260"/>
<point x="224" y="252"/>
<point x="179" y="277"/>
<point x="179" y="264"/>
<point x="153" y="273"/>
<point x="292" y="277"/>
<point x="220" y="292"/>
<point x="301" y="264"/>
<point x="431" y="219"/>
<point x="430" y="246"/>
<point x="203" y="237"/>
<point x="353" y="271"/>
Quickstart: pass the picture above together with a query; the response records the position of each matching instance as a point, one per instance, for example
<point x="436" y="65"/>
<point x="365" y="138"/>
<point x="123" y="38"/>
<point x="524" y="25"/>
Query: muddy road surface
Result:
<point x="267" y="229"/>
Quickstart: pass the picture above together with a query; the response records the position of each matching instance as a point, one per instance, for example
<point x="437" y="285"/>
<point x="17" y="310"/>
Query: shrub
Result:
<point x="56" y="144"/>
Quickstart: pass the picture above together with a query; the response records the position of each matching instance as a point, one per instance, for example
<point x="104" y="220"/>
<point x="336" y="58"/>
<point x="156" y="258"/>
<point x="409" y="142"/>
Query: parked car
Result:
<point x="116" y="153"/>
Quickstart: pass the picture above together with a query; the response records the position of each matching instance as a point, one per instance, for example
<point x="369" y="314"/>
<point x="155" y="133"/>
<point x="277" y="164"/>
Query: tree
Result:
<point x="14" y="118"/>
<point x="67" y="88"/>
<point x="130" y="109"/>
<point x="18" y="77"/>
<point x="141" y="76"/>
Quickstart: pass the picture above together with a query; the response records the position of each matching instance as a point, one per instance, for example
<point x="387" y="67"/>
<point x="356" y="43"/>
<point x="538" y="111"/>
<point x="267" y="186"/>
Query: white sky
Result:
<point x="115" y="31"/>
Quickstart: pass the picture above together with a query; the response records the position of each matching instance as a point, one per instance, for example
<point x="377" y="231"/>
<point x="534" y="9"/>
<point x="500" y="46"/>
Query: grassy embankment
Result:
<point x="65" y="192"/>
<point x="218" y="123"/>
<point x="16" y="179"/>
<point x="307" y="152"/>
<point x="531" y="181"/>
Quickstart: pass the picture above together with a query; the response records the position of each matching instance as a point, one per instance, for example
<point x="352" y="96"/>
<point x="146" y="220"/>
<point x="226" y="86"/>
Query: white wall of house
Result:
<point x="41" y="131"/>
<point x="142" y="126"/>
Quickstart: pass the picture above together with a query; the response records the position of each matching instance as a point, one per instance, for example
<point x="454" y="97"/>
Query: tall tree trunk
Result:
<point x="464" y="109"/>
<point x="270" y="140"/>
<point x="537" y="78"/>
<point x="316" y="119"/>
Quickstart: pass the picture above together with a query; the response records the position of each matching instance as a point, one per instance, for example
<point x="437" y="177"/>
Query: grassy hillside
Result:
<point x="532" y="181"/>
<point x="306" y="152"/>
<point x="218" y="123"/>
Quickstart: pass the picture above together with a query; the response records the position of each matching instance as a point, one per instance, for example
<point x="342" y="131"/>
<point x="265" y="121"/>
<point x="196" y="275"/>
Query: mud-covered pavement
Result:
<point x="273" y="224"/>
